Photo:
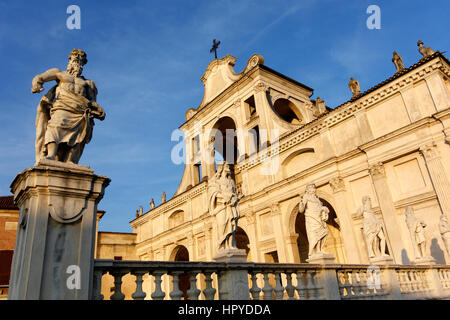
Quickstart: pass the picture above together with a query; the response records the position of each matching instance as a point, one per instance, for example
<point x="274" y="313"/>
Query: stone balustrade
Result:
<point x="277" y="281"/>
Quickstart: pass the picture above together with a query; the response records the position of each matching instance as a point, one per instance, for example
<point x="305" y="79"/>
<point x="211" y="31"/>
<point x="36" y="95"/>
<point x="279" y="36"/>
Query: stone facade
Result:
<point x="389" y="142"/>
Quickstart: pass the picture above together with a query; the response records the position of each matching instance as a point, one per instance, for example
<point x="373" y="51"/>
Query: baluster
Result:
<point x="371" y="287"/>
<point x="176" y="293"/>
<point x="255" y="290"/>
<point x="98" y="274"/>
<point x="279" y="289"/>
<point x="355" y="283"/>
<point x="209" y="291"/>
<point x="342" y="283"/>
<point x="139" y="294"/>
<point x="193" y="292"/>
<point x="118" y="295"/>
<point x="365" y="290"/>
<point x="290" y="289"/>
<point x="301" y="289"/>
<point x="267" y="289"/>
<point x="158" y="294"/>
<point x="362" y="284"/>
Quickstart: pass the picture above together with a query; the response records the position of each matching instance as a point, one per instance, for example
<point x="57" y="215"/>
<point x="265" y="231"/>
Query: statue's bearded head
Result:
<point x="311" y="188"/>
<point x="367" y="202"/>
<point x="77" y="59"/>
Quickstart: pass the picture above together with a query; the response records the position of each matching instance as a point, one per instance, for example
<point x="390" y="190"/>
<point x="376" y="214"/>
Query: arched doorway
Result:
<point x="333" y="245"/>
<point x="181" y="253"/>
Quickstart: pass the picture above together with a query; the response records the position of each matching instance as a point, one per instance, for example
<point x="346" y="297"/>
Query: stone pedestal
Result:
<point x="54" y="251"/>
<point x="425" y="261"/>
<point x="321" y="258"/>
<point x="382" y="260"/>
<point x="233" y="283"/>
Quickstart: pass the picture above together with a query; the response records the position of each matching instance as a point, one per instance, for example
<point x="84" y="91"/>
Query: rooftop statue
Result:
<point x="65" y="115"/>
<point x="354" y="87"/>
<point x="424" y="51"/>
<point x="398" y="61"/>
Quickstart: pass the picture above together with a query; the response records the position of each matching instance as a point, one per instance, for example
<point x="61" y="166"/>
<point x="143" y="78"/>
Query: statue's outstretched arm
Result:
<point x="38" y="80"/>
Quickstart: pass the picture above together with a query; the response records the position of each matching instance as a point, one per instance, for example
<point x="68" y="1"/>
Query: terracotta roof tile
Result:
<point x="7" y="202"/>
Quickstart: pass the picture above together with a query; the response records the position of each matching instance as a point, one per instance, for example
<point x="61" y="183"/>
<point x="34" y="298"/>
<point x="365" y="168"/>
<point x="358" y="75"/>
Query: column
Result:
<point x="251" y="223"/>
<point x="278" y="231"/>
<point x="388" y="211"/>
<point x="55" y="245"/>
<point x="262" y="106"/>
<point x="345" y="222"/>
<point x="438" y="177"/>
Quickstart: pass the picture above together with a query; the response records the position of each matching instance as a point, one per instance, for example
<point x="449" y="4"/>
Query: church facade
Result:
<point x="389" y="143"/>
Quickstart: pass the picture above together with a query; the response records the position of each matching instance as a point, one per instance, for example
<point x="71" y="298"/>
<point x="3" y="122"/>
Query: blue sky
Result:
<point x="147" y="58"/>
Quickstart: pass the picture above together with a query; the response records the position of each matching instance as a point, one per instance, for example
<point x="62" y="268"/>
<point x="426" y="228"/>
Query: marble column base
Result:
<point x="382" y="260"/>
<point x="425" y="261"/>
<point x="321" y="258"/>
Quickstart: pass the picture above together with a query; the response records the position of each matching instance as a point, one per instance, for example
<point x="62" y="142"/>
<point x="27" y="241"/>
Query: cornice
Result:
<point x="345" y="111"/>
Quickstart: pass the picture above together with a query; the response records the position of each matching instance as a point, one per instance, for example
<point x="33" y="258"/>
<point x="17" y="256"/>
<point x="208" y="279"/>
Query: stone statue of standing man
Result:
<point x="316" y="216"/>
<point x="65" y="115"/>
<point x="223" y="203"/>
<point x="373" y="230"/>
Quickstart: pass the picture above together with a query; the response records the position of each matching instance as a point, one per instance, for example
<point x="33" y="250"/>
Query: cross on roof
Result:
<point x="214" y="47"/>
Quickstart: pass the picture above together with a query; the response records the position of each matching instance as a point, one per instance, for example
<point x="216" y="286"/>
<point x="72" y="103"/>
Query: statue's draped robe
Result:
<point x="222" y="190"/>
<point x="371" y="225"/>
<point x="316" y="228"/>
<point x="62" y="118"/>
<point x="415" y="226"/>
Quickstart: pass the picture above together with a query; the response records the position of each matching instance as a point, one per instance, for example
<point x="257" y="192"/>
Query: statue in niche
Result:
<point x="65" y="115"/>
<point x="424" y="51"/>
<point x="444" y="230"/>
<point x="398" y="62"/>
<point x="354" y="87"/>
<point x="372" y="229"/>
<point x="417" y="231"/>
<point x="316" y="216"/>
<point x="223" y="203"/>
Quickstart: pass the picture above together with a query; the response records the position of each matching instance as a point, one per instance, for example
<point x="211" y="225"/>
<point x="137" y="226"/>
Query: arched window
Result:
<point x="287" y="111"/>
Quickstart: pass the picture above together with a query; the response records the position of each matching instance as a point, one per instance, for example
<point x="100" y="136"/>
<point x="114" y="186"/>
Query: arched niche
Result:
<point x="176" y="219"/>
<point x="243" y="241"/>
<point x="298" y="161"/>
<point x="287" y="111"/>
<point x="334" y="244"/>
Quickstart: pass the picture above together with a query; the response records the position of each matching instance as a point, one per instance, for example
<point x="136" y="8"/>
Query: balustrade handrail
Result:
<point x="312" y="281"/>
<point x="221" y="266"/>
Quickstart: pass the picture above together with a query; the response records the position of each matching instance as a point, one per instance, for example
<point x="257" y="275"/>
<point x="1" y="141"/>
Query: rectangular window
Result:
<point x="251" y="106"/>
<point x="117" y="257"/>
<point x="196" y="143"/>
<point x="197" y="173"/>
<point x="254" y="140"/>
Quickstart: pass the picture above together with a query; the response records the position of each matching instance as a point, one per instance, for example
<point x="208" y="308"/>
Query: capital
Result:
<point x="261" y="86"/>
<point x="337" y="184"/>
<point x="429" y="151"/>
<point x="377" y="170"/>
